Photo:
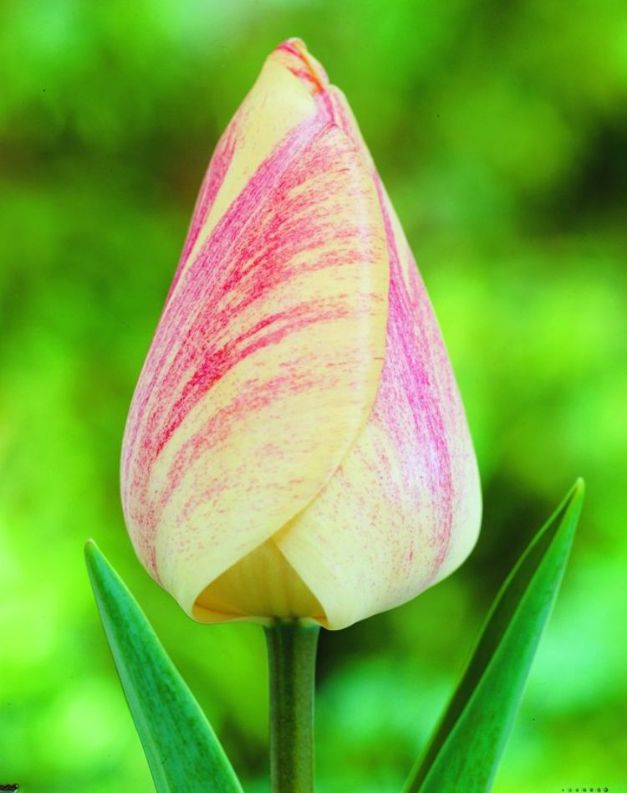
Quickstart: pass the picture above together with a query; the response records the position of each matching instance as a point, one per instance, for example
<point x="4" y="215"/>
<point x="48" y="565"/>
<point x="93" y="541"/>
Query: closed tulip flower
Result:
<point x="296" y="445"/>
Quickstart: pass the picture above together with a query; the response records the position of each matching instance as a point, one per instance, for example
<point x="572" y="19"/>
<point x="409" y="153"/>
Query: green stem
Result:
<point x="291" y="665"/>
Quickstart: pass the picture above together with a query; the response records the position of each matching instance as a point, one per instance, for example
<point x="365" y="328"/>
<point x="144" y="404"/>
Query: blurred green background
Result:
<point x="500" y="131"/>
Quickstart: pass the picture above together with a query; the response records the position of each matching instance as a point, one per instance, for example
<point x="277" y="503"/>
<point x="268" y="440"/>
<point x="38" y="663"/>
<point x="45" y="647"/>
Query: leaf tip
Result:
<point x="96" y="561"/>
<point x="577" y="493"/>
<point x="91" y="551"/>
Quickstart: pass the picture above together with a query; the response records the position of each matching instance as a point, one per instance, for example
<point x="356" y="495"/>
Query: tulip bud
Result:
<point x="296" y="445"/>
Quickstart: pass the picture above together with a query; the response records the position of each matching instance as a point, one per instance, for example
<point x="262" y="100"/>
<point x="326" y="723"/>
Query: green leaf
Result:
<point x="468" y="744"/>
<point x="182" y="750"/>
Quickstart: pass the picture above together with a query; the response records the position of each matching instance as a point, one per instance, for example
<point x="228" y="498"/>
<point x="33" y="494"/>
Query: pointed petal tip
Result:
<point x="294" y="55"/>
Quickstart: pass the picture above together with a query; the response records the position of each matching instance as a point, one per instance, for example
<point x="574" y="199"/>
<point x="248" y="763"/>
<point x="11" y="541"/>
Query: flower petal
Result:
<point x="403" y="509"/>
<point x="265" y="364"/>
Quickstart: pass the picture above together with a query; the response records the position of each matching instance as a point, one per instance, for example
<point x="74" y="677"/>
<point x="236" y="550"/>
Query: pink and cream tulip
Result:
<point x="296" y="445"/>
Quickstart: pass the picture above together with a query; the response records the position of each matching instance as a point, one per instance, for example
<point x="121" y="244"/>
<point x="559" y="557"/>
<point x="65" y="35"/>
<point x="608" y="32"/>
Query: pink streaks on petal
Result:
<point x="209" y="189"/>
<point x="302" y="65"/>
<point x="416" y="389"/>
<point x="255" y="248"/>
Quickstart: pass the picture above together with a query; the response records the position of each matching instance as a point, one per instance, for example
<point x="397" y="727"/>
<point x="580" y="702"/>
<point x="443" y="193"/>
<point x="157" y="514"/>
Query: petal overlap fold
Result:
<point x="403" y="509"/>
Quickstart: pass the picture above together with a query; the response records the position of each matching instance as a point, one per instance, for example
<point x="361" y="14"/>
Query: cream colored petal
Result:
<point x="265" y="364"/>
<point x="263" y="584"/>
<point x="403" y="510"/>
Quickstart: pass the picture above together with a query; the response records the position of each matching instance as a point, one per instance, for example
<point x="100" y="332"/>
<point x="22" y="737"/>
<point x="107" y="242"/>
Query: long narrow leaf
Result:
<point x="181" y="748"/>
<point x="468" y="744"/>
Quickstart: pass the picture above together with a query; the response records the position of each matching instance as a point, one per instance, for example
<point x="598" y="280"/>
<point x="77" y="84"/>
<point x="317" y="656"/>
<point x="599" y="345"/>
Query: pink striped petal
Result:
<point x="404" y="507"/>
<point x="266" y="360"/>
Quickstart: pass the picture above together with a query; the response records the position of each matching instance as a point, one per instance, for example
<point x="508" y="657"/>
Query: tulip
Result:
<point x="296" y="444"/>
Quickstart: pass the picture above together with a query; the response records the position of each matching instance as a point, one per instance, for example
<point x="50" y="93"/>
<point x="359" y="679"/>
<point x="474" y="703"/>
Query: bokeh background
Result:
<point x="500" y="130"/>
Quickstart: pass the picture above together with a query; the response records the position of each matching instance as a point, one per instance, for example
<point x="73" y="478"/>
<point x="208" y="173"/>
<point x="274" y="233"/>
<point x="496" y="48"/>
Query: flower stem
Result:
<point x="291" y="665"/>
